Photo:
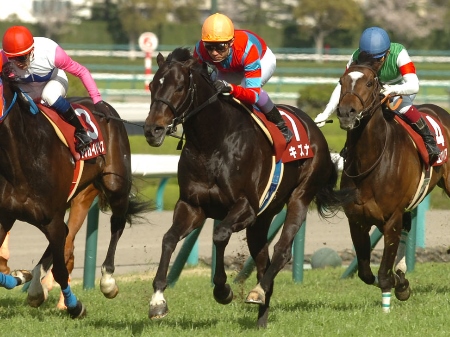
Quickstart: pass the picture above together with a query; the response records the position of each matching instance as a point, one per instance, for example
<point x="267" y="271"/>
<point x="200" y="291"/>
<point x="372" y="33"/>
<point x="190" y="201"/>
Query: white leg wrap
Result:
<point x="157" y="299"/>
<point x="386" y="301"/>
<point x="107" y="282"/>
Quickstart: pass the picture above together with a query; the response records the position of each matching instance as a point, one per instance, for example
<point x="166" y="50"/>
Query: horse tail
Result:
<point x="137" y="207"/>
<point x="329" y="200"/>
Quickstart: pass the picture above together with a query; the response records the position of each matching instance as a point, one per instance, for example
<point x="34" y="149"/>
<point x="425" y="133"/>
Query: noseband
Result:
<point x="372" y="103"/>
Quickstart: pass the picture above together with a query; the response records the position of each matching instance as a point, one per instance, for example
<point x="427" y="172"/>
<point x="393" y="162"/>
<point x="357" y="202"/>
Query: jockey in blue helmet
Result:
<point x="398" y="75"/>
<point x="375" y="42"/>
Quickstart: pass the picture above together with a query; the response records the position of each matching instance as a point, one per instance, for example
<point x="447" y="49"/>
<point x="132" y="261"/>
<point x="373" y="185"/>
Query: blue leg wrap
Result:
<point x="70" y="300"/>
<point x="61" y="105"/>
<point x="7" y="281"/>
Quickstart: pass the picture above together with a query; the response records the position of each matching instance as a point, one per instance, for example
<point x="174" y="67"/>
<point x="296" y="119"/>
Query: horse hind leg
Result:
<point x="4" y="255"/>
<point x="239" y="217"/>
<point x="402" y="289"/>
<point x="108" y="285"/>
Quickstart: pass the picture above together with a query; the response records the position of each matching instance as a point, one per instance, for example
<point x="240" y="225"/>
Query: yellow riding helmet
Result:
<point x="217" y="28"/>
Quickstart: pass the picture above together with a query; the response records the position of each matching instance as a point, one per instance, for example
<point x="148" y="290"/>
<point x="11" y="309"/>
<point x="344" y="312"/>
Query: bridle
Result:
<point x="181" y="118"/>
<point x="372" y="103"/>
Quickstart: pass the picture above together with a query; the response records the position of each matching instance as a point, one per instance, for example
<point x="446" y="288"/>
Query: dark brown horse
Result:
<point x="384" y="166"/>
<point x="223" y="170"/>
<point x="36" y="173"/>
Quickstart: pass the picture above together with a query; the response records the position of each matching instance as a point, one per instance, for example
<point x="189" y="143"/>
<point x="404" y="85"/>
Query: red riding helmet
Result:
<point x="17" y="41"/>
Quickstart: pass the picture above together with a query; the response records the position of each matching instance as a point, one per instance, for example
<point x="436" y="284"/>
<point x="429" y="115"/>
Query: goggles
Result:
<point x="220" y="47"/>
<point x="23" y="60"/>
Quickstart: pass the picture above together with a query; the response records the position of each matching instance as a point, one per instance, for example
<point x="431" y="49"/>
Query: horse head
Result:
<point x="360" y="95"/>
<point x="173" y="94"/>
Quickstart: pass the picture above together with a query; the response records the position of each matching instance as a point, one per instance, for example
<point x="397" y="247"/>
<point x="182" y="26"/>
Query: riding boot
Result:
<point x="83" y="139"/>
<point x="274" y="116"/>
<point x="422" y="129"/>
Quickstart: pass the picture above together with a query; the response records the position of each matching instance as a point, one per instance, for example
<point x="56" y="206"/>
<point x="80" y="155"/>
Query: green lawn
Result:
<point x="323" y="305"/>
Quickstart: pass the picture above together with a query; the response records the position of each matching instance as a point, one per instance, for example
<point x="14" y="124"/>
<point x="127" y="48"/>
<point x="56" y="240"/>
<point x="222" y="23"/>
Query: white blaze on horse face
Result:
<point x="161" y="80"/>
<point x="355" y="75"/>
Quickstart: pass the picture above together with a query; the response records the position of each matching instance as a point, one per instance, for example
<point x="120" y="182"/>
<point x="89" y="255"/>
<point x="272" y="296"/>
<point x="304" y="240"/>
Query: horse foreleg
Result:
<point x="56" y="235"/>
<point x="240" y="216"/>
<point x="259" y="250"/>
<point x="361" y="242"/>
<point x="38" y="291"/>
<point x="186" y="218"/>
<point x="386" y="276"/>
<point x="79" y="208"/>
<point x="4" y="254"/>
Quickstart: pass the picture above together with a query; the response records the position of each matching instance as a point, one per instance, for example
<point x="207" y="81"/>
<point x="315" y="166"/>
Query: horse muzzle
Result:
<point x="155" y="134"/>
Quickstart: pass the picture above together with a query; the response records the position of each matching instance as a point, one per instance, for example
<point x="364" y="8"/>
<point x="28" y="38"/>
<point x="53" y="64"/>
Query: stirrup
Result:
<point x="83" y="141"/>
<point x="287" y="134"/>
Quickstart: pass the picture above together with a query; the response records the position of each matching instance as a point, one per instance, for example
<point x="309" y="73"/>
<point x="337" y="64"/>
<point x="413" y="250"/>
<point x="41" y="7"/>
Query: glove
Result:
<point x="103" y="108"/>
<point x="321" y="119"/>
<point x="389" y="90"/>
<point x="222" y="87"/>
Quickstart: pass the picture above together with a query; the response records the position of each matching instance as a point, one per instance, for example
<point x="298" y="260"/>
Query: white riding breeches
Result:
<point x="48" y="92"/>
<point x="407" y="101"/>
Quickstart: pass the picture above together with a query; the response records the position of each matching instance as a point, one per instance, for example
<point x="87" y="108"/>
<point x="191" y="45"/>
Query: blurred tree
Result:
<point x="108" y="11"/>
<point x="52" y="16"/>
<point x="327" y="16"/>
<point x="188" y="12"/>
<point x="407" y="20"/>
<point x="139" y="16"/>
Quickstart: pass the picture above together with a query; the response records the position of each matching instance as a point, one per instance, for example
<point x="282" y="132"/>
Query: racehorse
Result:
<point x="222" y="172"/>
<point x="36" y="174"/>
<point x="385" y="167"/>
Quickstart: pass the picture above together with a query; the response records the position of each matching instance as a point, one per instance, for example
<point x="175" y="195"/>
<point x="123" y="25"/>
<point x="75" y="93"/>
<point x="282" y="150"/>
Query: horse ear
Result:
<point x="160" y="59"/>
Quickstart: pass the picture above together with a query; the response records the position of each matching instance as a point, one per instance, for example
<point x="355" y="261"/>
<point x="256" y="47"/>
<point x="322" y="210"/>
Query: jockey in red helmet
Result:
<point x="41" y="64"/>
<point x="398" y="75"/>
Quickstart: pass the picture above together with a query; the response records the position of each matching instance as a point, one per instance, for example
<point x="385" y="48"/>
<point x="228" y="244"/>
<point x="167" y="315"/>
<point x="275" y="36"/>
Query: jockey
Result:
<point x="244" y="64"/>
<point x="398" y="75"/>
<point x="40" y="63"/>
<point x="17" y="278"/>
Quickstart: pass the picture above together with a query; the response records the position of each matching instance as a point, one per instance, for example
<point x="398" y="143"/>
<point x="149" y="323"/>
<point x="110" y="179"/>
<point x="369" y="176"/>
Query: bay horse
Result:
<point x="223" y="169"/>
<point x="36" y="173"/>
<point x="384" y="166"/>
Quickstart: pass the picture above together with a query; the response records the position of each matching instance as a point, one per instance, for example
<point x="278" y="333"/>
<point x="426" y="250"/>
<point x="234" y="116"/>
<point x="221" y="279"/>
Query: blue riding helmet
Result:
<point x="374" y="41"/>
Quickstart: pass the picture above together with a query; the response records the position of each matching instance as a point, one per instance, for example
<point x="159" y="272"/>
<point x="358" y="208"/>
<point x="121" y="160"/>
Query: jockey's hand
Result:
<point x="222" y="87"/>
<point x="103" y="108"/>
<point x="321" y="119"/>
<point x="389" y="90"/>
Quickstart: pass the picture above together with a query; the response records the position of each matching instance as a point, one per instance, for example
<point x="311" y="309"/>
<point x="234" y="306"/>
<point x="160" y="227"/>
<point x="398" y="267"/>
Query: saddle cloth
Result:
<point x="298" y="148"/>
<point x="66" y="132"/>
<point x="441" y="139"/>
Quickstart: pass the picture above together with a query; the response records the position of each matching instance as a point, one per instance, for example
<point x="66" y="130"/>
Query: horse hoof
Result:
<point x="404" y="294"/>
<point x="158" y="311"/>
<point x="22" y="276"/>
<point x="79" y="311"/>
<point x="113" y="293"/>
<point x="225" y="296"/>
<point x="254" y="298"/>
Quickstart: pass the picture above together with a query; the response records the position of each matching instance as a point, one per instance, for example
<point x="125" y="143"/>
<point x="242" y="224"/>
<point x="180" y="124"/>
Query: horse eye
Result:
<point x="179" y="88"/>
<point x="369" y="84"/>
